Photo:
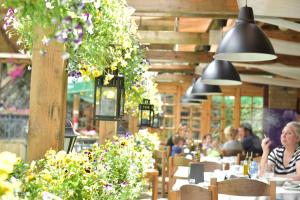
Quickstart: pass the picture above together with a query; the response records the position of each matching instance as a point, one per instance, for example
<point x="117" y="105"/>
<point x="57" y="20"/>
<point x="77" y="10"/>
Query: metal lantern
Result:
<point x="146" y="113"/>
<point x="69" y="138"/>
<point x="109" y="99"/>
<point x="157" y="120"/>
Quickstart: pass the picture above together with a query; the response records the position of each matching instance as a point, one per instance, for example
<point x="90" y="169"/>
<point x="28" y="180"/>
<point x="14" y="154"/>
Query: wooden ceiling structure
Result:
<point x="177" y="32"/>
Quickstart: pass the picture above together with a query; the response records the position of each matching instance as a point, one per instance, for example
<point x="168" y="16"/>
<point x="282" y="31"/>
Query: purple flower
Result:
<point x="67" y="20"/>
<point x="108" y="187"/>
<point x="124" y="184"/>
<point x="88" y="18"/>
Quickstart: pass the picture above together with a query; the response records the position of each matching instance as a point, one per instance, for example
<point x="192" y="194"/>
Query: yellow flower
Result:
<point x="97" y="73"/>
<point x="84" y="70"/>
<point x="114" y="65"/>
<point x="6" y="188"/>
<point x="7" y="162"/>
<point x="47" y="177"/>
<point x="29" y="177"/>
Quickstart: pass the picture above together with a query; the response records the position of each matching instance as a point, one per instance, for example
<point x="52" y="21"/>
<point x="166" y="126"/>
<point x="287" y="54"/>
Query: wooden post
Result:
<point x="107" y="129"/>
<point x="47" y="99"/>
<point x="133" y="124"/>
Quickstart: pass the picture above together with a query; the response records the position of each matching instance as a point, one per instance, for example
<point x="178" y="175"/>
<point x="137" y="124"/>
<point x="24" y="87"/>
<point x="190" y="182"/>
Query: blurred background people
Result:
<point x="178" y="145"/>
<point x="207" y="142"/>
<point x="231" y="136"/>
<point x="250" y="142"/>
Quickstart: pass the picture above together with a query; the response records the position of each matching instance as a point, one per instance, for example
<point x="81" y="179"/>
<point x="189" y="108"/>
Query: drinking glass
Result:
<point x="269" y="171"/>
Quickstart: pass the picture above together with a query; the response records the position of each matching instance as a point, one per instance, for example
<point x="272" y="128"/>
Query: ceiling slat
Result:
<point x="206" y="8"/>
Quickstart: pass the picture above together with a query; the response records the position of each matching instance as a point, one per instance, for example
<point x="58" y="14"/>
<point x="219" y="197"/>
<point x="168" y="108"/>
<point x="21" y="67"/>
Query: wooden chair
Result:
<point x="161" y="157"/>
<point x="244" y="187"/>
<point x="173" y="164"/>
<point x="211" y="166"/>
<point x="231" y="152"/>
<point x="193" y="192"/>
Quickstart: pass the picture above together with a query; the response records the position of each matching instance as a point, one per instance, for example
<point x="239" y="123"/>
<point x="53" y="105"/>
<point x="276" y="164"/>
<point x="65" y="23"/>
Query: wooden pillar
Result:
<point x="237" y="108"/>
<point x="47" y="99"/>
<point x="107" y="129"/>
<point x="133" y="124"/>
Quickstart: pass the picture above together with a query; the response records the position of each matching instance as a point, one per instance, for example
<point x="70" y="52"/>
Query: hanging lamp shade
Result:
<point x="220" y="72"/>
<point x="199" y="88"/>
<point x="187" y="102"/>
<point x="245" y="42"/>
<point x="192" y="97"/>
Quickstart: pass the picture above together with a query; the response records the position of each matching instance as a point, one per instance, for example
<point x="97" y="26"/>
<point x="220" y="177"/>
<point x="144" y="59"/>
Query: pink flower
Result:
<point x="17" y="72"/>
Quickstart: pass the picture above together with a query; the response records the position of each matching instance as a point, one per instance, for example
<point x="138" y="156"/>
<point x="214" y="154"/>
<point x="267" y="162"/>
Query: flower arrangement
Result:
<point x="7" y="162"/>
<point x="113" y="171"/>
<point x="99" y="36"/>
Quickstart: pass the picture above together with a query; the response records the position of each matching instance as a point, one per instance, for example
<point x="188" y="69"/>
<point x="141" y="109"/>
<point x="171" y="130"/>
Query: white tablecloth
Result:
<point x="182" y="174"/>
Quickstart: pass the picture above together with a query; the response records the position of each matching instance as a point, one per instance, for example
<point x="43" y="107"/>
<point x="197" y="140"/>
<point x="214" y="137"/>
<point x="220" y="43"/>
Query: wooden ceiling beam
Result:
<point x="274" y="8"/>
<point x="197" y="57"/>
<point x="172" y="37"/>
<point x="172" y="68"/>
<point x="198" y="8"/>
<point x="179" y="56"/>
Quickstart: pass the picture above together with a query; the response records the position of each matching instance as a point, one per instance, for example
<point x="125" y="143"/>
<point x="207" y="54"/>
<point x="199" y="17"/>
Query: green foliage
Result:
<point x="113" y="171"/>
<point x="99" y="36"/>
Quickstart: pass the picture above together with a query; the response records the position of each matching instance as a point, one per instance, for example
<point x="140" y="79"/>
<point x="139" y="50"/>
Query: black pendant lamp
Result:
<point x="187" y="102"/>
<point x="220" y="72"/>
<point x="245" y="42"/>
<point x="192" y="97"/>
<point x="200" y="88"/>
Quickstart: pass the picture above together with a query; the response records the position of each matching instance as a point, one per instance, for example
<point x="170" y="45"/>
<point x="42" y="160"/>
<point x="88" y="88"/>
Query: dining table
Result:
<point x="286" y="191"/>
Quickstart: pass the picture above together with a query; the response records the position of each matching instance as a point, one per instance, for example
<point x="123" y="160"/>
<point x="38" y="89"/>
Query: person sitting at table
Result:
<point x="214" y="150"/>
<point x="284" y="159"/>
<point x="207" y="142"/>
<point x="250" y="142"/>
<point x="180" y="131"/>
<point x="232" y="143"/>
<point x="178" y="144"/>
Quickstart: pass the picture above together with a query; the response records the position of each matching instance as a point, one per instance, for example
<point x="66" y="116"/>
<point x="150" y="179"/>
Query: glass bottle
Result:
<point x="245" y="165"/>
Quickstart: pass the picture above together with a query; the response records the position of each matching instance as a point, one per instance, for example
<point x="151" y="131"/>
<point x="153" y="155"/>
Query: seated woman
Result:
<point x="232" y="146"/>
<point x="178" y="143"/>
<point x="284" y="159"/>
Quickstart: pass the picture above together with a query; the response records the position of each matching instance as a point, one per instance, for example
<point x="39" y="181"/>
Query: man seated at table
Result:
<point x="250" y="142"/>
<point x="286" y="158"/>
<point x="178" y="144"/>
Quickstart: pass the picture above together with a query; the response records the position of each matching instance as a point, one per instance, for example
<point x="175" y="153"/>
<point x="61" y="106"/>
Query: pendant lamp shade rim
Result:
<point x="221" y="82"/>
<point x="245" y="42"/>
<point x="199" y="88"/>
<point x="220" y="72"/>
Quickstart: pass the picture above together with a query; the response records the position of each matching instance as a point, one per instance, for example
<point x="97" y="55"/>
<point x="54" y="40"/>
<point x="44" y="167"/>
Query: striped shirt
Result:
<point x="276" y="157"/>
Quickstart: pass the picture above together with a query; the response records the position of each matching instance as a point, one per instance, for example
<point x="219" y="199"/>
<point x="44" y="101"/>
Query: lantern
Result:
<point x="109" y="99"/>
<point x="146" y="113"/>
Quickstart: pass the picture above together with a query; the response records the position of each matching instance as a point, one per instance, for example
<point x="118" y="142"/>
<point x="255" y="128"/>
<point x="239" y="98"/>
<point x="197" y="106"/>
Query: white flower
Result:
<point x="49" y="5"/>
<point x="45" y="40"/>
<point x="97" y="4"/>
<point x="65" y="56"/>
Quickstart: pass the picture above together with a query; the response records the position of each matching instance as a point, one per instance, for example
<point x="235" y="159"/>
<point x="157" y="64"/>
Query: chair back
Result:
<point x="231" y="152"/>
<point x="244" y="187"/>
<point x="193" y="192"/>
<point x="174" y="162"/>
<point x="160" y="157"/>
<point x="211" y="166"/>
